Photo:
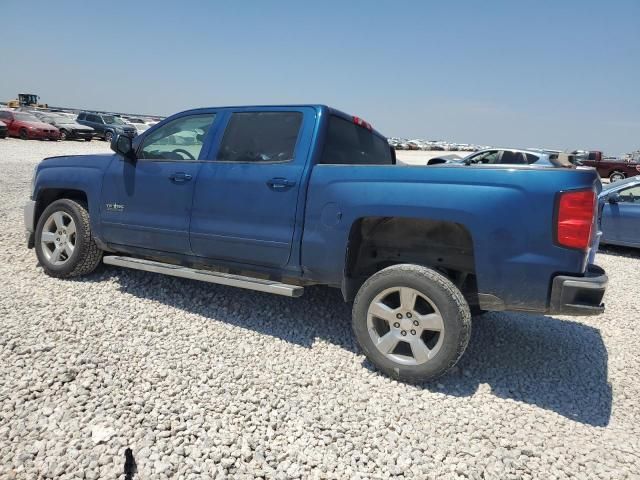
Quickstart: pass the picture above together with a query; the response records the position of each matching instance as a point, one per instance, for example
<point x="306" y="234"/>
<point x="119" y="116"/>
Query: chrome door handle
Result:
<point x="180" y="177"/>
<point x="280" y="183"/>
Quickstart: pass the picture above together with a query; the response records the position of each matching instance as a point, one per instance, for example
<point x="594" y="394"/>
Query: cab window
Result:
<point x="260" y="137"/>
<point x="348" y="143"/>
<point x="180" y="139"/>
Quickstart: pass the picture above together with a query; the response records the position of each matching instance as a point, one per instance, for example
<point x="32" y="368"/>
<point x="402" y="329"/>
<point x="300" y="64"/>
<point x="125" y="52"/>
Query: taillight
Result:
<point x="575" y="219"/>
<point x="362" y="123"/>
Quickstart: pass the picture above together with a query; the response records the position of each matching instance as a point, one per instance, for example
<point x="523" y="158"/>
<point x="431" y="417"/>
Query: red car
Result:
<point x="26" y="126"/>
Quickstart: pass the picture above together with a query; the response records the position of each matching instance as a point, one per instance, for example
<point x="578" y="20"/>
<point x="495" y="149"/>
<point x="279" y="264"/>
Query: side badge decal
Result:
<point x="115" y="207"/>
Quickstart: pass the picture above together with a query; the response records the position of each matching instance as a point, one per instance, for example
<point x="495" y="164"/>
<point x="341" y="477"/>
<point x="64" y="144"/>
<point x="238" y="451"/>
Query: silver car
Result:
<point x="69" y="128"/>
<point x="502" y="156"/>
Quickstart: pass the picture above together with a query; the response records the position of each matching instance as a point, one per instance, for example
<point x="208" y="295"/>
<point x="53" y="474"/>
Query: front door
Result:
<point x="147" y="203"/>
<point x="621" y="220"/>
<point x="245" y="202"/>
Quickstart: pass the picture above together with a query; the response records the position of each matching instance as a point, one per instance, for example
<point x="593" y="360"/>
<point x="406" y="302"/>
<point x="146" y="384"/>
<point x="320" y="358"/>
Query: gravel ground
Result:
<point x="204" y="381"/>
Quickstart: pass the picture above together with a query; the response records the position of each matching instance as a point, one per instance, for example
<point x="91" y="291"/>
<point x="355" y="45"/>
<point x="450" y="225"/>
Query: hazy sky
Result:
<point x="562" y="74"/>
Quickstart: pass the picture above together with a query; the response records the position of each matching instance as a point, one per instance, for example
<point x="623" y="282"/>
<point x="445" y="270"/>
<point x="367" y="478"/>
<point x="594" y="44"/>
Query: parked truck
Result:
<point x="612" y="168"/>
<point x="280" y="198"/>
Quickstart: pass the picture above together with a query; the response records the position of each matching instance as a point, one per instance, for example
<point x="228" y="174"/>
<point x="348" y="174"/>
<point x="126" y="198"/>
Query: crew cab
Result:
<point x="278" y="198"/>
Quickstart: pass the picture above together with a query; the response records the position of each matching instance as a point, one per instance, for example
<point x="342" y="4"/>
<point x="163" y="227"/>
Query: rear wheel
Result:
<point x="616" y="176"/>
<point x="63" y="243"/>
<point x="63" y="134"/>
<point x="24" y="135"/>
<point x="411" y="322"/>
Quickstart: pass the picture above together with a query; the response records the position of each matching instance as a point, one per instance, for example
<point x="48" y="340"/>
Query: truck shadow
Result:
<point x="554" y="364"/>
<point x="619" y="251"/>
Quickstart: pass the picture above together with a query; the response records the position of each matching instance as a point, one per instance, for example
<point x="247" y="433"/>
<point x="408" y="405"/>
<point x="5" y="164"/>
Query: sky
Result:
<point x="556" y="74"/>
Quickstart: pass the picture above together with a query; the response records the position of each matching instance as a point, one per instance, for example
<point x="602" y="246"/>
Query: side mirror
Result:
<point x="614" y="198"/>
<point x="121" y="144"/>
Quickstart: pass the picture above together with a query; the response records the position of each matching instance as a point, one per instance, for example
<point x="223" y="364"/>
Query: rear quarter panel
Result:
<point x="508" y="212"/>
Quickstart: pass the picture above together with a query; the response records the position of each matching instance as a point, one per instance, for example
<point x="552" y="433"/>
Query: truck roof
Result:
<point x="321" y="108"/>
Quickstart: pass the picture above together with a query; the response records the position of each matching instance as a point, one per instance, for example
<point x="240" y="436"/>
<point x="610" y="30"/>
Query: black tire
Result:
<point x="108" y="136"/>
<point x="617" y="175"/>
<point x="87" y="139"/>
<point x="24" y="135"/>
<point x="63" y="134"/>
<point x="86" y="255"/>
<point x="454" y="314"/>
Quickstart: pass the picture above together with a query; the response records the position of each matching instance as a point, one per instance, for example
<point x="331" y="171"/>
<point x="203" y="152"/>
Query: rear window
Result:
<point x="351" y="144"/>
<point x="260" y="137"/>
<point x="531" y="158"/>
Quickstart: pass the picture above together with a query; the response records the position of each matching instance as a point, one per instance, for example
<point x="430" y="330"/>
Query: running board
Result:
<point x="231" y="280"/>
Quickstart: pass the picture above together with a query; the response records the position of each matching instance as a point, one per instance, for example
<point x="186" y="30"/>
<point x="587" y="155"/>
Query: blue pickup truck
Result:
<point x="277" y="198"/>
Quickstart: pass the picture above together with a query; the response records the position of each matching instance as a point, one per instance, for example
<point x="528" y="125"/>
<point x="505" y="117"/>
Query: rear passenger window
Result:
<point x="260" y="137"/>
<point x="531" y="158"/>
<point x="348" y="143"/>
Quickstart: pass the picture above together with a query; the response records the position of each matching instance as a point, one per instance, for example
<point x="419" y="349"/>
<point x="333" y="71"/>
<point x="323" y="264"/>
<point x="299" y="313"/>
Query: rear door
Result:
<point x="245" y="202"/>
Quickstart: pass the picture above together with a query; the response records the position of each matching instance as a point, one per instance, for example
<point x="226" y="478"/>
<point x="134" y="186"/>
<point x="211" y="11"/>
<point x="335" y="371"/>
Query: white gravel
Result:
<point x="204" y="381"/>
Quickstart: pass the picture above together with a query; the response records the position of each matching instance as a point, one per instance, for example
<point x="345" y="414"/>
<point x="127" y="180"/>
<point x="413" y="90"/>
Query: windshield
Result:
<point x="25" y="117"/>
<point x="111" y="120"/>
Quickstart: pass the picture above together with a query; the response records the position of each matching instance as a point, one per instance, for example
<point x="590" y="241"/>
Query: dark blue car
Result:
<point x="620" y="218"/>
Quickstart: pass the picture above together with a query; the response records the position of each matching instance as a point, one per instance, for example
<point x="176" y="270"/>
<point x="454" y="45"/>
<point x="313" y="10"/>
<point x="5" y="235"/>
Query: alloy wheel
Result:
<point x="405" y="326"/>
<point x="58" y="238"/>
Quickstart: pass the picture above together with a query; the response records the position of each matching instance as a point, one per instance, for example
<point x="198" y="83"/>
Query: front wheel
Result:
<point x="63" y="243"/>
<point x="108" y="136"/>
<point x="24" y="135"/>
<point x="617" y="175"/>
<point x="63" y="134"/>
<point x="411" y="322"/>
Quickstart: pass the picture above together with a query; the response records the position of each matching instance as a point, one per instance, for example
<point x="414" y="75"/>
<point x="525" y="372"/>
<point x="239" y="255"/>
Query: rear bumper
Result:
<point x="579" y="295"/>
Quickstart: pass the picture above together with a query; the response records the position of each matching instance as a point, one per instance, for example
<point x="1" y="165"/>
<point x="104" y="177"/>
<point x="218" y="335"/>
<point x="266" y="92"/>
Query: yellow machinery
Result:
<point x="27" y="100"/>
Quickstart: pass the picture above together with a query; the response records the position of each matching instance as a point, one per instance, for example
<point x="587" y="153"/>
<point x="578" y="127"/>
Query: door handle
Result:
<point x="180" y="177"/>
<point x="280" y="183"/>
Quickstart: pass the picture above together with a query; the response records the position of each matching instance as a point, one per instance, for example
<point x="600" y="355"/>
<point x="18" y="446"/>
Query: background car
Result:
<point x="502" y="156"/>
<point x="4" y="131"/>
<point x="620" y="217"/>
<point x="138" y="123"/>
<point x="69" y="128"/>
<point x="614" y="169"/>
<point x="106" y="126"/>
<point x="27" y="126"/>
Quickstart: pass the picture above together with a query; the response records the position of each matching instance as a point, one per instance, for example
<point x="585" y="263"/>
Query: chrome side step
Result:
<point x="250" y="283"/>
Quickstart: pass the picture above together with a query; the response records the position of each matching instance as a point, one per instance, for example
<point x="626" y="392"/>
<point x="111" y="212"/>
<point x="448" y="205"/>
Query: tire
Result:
<point x="24" y="135"/>
<point x="63" y="216"/>
<point x="108" y="136"/>
<point x="63" y="134"/>
<point x="436" y="328"/>
<point x="616" y="176"/>
<point x="87" y="139"/>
